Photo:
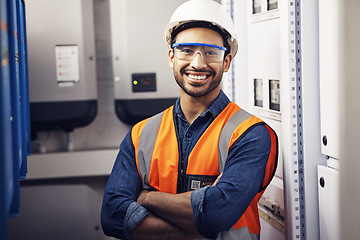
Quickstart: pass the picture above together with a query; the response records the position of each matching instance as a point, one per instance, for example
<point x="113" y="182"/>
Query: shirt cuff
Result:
<point x="197" y="203"/>
<point x="134" y="215"/>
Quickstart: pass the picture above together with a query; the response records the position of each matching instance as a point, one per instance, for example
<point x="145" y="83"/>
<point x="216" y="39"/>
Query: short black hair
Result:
<point x="202" y="24"/>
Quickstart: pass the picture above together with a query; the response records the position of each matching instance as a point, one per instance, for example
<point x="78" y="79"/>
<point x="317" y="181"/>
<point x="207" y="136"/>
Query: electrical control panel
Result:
<point x="264" y="58"/>
<point x="62" y="71"/>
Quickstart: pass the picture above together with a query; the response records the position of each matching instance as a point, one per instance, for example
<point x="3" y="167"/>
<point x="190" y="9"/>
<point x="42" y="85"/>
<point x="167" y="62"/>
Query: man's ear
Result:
<point x="171" y="58"/>
<point x="227" y="62"/>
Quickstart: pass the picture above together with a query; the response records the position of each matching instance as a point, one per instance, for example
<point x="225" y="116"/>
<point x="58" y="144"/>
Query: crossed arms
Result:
<point x="173" y="215"/>
<point x="129" y="212"/>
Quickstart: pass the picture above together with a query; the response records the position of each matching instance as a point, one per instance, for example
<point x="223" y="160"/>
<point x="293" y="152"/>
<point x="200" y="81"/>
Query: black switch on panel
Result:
<point x="143" y="82"/>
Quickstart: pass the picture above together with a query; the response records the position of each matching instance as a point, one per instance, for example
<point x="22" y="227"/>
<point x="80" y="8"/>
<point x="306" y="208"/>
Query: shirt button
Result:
<point x="188" y="135"/>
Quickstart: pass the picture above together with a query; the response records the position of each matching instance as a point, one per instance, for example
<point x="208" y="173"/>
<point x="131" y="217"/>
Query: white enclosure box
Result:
<point x="143" y="81"/>
<point x="62" y="76"/>
<point x="329" y="54"/>
<point x="264" y="59"/>
<point x="329" y="203"/>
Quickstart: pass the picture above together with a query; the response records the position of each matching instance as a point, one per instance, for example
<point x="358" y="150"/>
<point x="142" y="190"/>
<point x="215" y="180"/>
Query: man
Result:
<point x="198" y="169"/>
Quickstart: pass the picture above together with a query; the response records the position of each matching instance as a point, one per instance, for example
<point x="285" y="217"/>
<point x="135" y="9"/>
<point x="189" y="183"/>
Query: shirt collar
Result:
<point x="215" y="108"/>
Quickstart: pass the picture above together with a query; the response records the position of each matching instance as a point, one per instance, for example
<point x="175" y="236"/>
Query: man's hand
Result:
<point x="174" y="208"/>
<point x="156" y="228"/>
<point x="169" y="210"/>
<point x="142" y="196"/>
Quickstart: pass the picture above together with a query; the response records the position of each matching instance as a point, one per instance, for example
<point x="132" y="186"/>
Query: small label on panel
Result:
<point x="256" y="6"/>
<point x="67" y="64"/>
<point x="272" y="5"/>
<point x="274" y="86"/>
<point x="258" y="92"/>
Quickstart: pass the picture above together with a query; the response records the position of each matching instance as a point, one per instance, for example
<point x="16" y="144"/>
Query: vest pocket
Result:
<point x="193" y="182"/>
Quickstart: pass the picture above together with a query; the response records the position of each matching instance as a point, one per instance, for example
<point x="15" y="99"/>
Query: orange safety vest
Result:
<point x="157" y="157"/>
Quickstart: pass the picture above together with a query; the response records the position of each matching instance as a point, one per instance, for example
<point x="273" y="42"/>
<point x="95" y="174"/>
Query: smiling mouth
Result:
<point x="197" y="77"/>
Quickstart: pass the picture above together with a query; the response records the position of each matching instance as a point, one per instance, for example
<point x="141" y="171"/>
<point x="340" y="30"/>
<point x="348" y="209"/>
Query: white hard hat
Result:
<point x="208" y="11"/>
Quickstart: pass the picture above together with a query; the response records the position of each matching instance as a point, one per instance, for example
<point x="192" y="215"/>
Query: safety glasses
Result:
<point x="209" y="53"/>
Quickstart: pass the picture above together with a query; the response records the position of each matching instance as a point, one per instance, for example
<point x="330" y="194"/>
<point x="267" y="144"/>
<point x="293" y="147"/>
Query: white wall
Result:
<point x="350" y="114"/>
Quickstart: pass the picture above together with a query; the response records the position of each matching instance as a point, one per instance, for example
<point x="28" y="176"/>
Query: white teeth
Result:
<point x="197" y="77"/>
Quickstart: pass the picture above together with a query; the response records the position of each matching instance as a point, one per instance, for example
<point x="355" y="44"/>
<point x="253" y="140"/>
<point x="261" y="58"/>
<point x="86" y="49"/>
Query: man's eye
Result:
<point x="211" y="53"/>
<point x="186" y="50"/>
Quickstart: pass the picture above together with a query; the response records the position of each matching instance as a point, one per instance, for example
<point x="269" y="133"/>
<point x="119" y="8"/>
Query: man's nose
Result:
<point x="198" y="61"/>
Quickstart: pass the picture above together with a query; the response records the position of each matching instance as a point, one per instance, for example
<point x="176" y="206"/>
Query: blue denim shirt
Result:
<point x="215" y="208"/>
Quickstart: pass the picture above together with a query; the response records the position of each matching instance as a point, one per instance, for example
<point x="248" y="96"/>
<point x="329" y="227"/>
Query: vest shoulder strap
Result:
<point x="226" y="133"/>
<point x="146" y="146"/>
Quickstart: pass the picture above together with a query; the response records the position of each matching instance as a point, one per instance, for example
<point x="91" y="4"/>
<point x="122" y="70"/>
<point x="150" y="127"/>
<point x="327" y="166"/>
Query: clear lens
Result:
<point x="209" y="53"/>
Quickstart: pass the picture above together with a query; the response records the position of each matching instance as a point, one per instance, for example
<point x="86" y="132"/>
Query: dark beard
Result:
<point x="213" y="85"/>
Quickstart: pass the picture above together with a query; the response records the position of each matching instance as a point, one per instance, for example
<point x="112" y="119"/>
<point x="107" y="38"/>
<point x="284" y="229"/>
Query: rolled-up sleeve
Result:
<point x="218" y="208"/>
<point x="120" y="212"/>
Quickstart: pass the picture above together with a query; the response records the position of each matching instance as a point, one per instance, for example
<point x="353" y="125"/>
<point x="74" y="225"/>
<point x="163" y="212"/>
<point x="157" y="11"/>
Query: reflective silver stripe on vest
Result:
<point x="238" y="234"/>
<point x="146" y="146"/>
<point x="225" y="135"/>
